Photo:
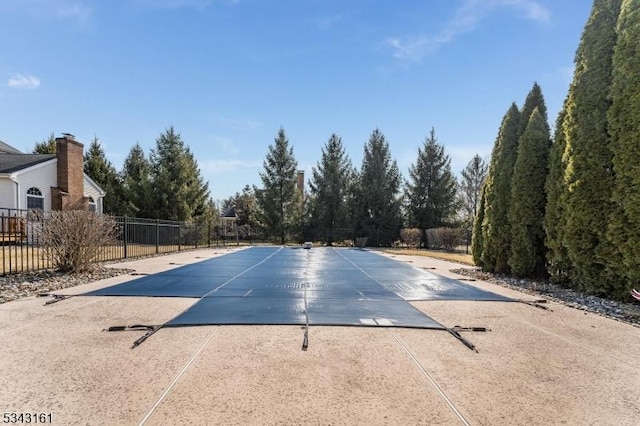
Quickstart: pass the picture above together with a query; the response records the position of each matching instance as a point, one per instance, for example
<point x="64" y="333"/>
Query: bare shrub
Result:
<point x="361" y="242"/>
<point x="73" y="239"/>
<point x="411" y="236"/>
<point x="443" y="238"/>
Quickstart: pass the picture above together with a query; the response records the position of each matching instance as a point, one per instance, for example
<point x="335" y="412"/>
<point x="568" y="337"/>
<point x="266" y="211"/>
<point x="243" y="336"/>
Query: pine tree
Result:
<point x="102" y="172"/>
<point x="179" y="192"/>
<point x="558" y="262"/>
<point x="431" y="190"/>
<point x="377" y="196"/>
<point x="278" y="200"/>
<point x="623" y="117"/>
<point x="587" y="153"/>
<point x="470" y="188"/>
<point x="528" y="199"/>
<point x="46" y="147"/>
<point x="496" y="232"/>
<point x="329" y="185"/>
<point x="136" y="180"/>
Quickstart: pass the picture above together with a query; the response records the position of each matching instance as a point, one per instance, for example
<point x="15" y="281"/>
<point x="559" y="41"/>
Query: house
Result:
<point x="48" y="181"/>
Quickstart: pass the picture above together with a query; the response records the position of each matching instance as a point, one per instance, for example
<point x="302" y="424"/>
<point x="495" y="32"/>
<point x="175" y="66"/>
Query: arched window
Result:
<point x="92" y="205"/>
<point x="35" y="199"/>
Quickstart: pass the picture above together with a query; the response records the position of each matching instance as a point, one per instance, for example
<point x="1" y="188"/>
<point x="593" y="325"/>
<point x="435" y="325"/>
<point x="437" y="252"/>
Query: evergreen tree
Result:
<point x="587" y="153"/>
<point x="477" y="244"/>
<point x="179" y="192"/>
<point x="558" y="262"/>
<point x="528" y="199"/>
<point x="136" y="180"/>
<point x="378" y="188"/>
<point x="46" y="147"/>
<point x="279" y="201"/>
<point x="328" y="187"/>
<point x="496" y="232"/>
<point x="624" y="121"/>
<point x="431" y="191"/>
<point x="244" y="204"/>
<point x="102" y="172"/>
<point x="470" y="188"/>
<point x="534" y="100"/>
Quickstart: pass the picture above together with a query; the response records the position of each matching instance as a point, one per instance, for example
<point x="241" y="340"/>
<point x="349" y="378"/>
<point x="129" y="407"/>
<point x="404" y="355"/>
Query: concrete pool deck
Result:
<point x="533" y="367"/>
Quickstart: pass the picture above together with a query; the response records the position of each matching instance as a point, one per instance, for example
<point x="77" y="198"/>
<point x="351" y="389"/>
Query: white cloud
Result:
<point x="76" y="10"/>
<point x="21" y="81"/>
<point x="179" y="4"/>
<point x="465" y="20"/>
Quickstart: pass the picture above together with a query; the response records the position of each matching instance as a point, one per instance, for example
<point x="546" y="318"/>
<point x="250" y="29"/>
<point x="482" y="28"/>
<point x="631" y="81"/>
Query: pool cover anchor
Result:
<point x="455" y="332"/>
<point x="56" y="298"/>
<point x="151" y="329"/>
<point x="536" y="304"/>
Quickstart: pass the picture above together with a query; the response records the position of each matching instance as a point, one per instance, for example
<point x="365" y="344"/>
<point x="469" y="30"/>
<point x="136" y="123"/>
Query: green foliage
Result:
<point x="533" y="101"/>
<point x="588" y="156"/>
<point x="477" y="244"/>
<point x="136" y="180"/>
<point x="470" y="188"/>
<point x="377" y="193"/>
<point x="496" y="231"/>
<point x="279" y="201"/>
<point x="179" y="192"/>
<point x="623" y="253"/>
<point x="102" y="172"/>
<point x="558" y="262"/>
<point x="46" y="147"/>
<point x="329" y="187"/>
<point x="526" y="212"/>
<point x="431" y="189"/>
<point x="244" y="204"/>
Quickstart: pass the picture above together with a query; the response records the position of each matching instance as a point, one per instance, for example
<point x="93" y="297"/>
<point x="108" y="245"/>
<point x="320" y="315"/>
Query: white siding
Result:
<point x="90" y="190"/>
<point x="7" y="193"/>
<point x="42" y="178"/>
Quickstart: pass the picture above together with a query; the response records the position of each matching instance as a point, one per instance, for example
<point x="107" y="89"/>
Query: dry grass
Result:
<point x="466" y="259"/>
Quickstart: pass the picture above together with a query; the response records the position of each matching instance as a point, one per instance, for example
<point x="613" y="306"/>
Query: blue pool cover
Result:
<point x="290" y="286"/>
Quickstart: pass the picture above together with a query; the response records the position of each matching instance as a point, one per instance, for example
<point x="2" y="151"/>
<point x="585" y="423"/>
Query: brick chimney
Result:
<point x="69" y="194"/>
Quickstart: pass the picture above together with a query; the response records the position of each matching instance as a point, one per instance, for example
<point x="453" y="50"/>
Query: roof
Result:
<point x="6" y="148"/>
<point x="230" y="213"/>
<point x="10" y="163"/>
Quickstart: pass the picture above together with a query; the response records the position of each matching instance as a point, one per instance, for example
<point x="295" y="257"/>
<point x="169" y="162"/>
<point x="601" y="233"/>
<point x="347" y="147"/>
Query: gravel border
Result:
<point x="619" y="311"/>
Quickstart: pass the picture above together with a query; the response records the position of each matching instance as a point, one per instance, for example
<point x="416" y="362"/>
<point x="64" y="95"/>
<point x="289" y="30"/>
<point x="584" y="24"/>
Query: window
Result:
<point x="92" y="205"/>
<point x="35" y="199"/>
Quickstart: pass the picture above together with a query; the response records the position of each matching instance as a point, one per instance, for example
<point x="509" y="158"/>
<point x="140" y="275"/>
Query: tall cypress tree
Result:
<point x="496" y="232"/>
<point x="329" y="185"/>
<point x="526" y="212"/>
<point x="587" y="152"/>
<point x="379" y="186"/>
<point x="431" y="189"/>
<point x="102" y="172"/>
<point x="179" y="192"/>
<point x="558" y="262"/>
<point x="624" y="122"/>
<point x="533" y="101"/>
<point x="278" y="200"/>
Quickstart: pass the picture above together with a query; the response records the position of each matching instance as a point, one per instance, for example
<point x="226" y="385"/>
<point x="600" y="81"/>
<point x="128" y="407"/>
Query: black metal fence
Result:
<point x="21" y="250"/>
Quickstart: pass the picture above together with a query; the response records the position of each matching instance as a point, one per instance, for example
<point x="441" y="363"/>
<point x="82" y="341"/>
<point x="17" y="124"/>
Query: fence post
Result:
<point x="196" y="234"/>
<point x="179" y="234"/>
<point x="125" y="236"/>
<point x="209" y="234"/>
<point x="157" y="236"/>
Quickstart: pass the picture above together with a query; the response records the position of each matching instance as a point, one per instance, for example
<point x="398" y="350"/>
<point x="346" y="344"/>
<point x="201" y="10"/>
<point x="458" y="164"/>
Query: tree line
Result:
<point x="373" y="198"/>
<point x="568" y="206"/>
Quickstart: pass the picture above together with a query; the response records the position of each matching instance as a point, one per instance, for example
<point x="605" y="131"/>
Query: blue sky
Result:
<point x="227" y="74"/>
